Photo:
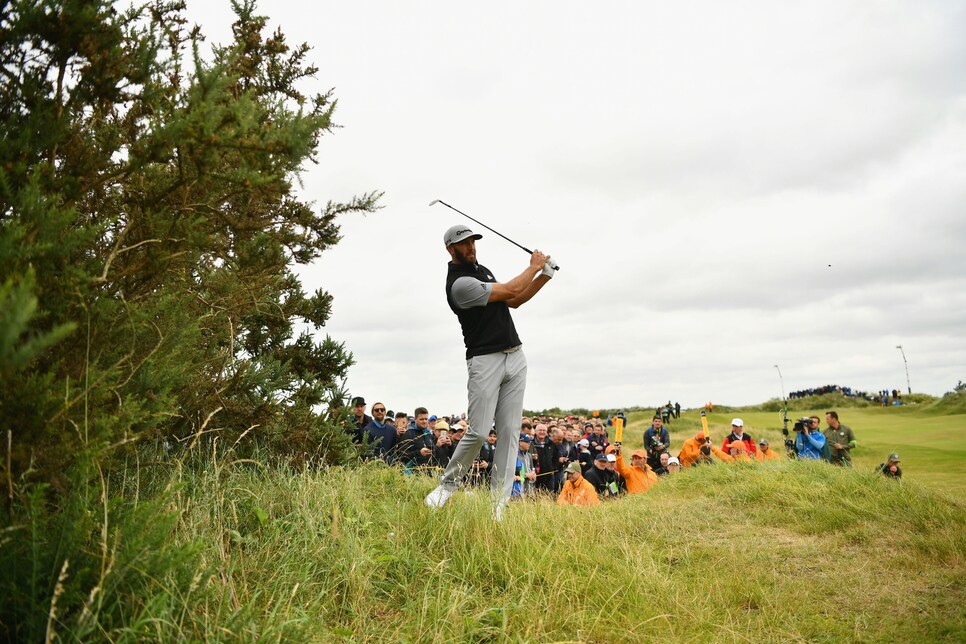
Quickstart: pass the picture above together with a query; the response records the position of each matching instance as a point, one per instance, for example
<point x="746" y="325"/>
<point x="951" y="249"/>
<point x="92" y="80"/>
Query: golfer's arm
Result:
<point x="532" y="288"/>
<point x="515" y="288"/>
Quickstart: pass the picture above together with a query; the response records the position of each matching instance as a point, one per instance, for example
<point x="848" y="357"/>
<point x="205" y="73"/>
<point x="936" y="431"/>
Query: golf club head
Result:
<point x="434" y="202"/>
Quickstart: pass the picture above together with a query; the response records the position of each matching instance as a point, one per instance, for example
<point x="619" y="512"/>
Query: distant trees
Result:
<point x="149" y="227"/>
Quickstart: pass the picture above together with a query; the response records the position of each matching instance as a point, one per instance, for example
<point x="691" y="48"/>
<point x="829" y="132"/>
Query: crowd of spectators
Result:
<point x="884" y="396"/>
<point x="575" y="459"/>
<point x="827" y="389"/>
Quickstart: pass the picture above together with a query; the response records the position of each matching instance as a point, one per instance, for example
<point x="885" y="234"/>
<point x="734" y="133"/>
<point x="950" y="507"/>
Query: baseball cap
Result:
<point x="583" y="442"/>
<point x="639" y="453"/>
<point x="573" y="468"/>
<point x="737" y="422"/>
<point x="893" y="457"/>
<point x="525" y="438"/>
<point x="673" y="461"/>
<point x="738" y="445"/>
<point x="358" y="400"/>
<point x="458" y="233"/>
<point x="432" y="418"/>
<point x="600" y="457"/>
<point x="442" y="424"/>
<point x="611" y="458"/>
<point x="763" y="442"/>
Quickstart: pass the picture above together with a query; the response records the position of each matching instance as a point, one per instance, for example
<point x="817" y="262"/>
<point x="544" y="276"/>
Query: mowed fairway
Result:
<point x="932" y="447"/>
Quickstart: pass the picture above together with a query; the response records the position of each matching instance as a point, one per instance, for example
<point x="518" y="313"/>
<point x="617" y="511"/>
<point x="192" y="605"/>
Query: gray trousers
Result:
<point x="495" y="387"/>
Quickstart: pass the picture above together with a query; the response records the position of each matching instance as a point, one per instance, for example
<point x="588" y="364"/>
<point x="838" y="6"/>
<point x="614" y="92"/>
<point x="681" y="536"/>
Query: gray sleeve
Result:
<point x="468" y="292"/>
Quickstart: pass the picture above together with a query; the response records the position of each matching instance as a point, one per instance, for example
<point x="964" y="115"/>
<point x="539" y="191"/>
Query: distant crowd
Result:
<point x="578" y="460"/>
<point x="884" y="397"/>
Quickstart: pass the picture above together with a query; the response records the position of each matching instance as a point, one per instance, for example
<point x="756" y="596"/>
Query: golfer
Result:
<point x="494" y="360"/>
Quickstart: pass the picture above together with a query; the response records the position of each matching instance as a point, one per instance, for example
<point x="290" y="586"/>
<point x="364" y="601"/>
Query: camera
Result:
<point x="802" y="424"/>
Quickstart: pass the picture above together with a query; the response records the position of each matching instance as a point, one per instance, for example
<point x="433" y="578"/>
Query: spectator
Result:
<point x="891" y="467"/>
<point x="738" y="451"/>
<point x="546" y="454"/>
<point x="526" y="427"/>
<point x="638" y="476"/>
<point x="614" y="479"/>
<point x="698" y="449"/>
<point x="359" y="419"/>
<point x="577" y="490"/>
<point x="456" y="432"/>
<point x="524" y="474"/>
<point x="840" y="439"/>
<point x="381" y="435"/>
<point x="598" y="440"/>
<point x="443" y="448"/>
<point x="656" y="442"/>
<point x="677" y="410"/>
<point x="402" y="421"/>
<point x="418" y="441"/>
<point x="810" y="441"/>
<point x="566" y="453"/>
<point x="661" y="469"/>
<point x="766" y="453"/>
<point x="738" y="434"/>
<point x="673" y="465"/>
<point x="584" y="456"/>
<point x="484" y="463"/>
<point x="595" y="475"/>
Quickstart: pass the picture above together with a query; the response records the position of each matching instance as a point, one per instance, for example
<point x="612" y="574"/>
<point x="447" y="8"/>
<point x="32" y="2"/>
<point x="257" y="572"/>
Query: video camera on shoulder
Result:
<point x="802" y="424"/>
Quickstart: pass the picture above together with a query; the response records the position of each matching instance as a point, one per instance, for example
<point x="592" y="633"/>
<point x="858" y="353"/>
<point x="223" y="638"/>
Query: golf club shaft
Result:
<point x="524" y="248"/>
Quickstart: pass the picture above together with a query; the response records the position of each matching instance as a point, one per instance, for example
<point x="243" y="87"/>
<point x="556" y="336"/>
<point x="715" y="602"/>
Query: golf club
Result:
<point x="553" y="265"/>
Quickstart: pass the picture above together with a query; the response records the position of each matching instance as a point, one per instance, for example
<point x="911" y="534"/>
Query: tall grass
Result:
<point x="211" y="549"/>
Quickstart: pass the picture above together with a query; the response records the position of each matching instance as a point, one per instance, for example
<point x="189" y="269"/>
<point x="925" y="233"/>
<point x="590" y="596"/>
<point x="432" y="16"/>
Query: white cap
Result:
<point x="611" y="458"/>
<point x="583" y="442"/>
<point x="673" y="461"/>
<point x="737" y="422"/>
<point x="458" y="233"/>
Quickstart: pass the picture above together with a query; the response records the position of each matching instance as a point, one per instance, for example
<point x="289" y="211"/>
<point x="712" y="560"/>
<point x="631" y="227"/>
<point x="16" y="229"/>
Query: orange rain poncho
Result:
<point x="767" y="454"/>
<point x="691" y="451"/>
<point x="636" y="478"/>
<point x="580" y="492"/>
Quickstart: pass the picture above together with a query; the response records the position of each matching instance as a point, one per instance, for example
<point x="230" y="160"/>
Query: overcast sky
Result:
<point x="726" y="187"/>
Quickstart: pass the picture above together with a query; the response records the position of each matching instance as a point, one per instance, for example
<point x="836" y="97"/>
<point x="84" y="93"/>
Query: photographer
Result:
<point x="891" y="467"/>
<point x="656" y="442"/>
<point x="809" y="441"/>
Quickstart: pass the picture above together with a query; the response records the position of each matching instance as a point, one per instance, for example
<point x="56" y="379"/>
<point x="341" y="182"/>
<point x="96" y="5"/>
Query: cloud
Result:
<point x="694" y="167"/>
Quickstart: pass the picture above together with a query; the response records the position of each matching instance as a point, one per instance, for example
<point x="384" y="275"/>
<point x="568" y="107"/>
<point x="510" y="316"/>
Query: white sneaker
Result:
<point x="438" y="497"/>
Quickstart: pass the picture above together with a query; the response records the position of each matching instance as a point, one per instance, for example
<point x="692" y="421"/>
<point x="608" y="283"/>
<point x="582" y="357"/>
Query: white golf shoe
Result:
<point x="438" y="497"/>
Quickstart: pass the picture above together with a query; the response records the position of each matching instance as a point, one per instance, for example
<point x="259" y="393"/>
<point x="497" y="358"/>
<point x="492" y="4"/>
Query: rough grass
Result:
<point x="210" y="548"/>
<point x="784" y="552"/>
